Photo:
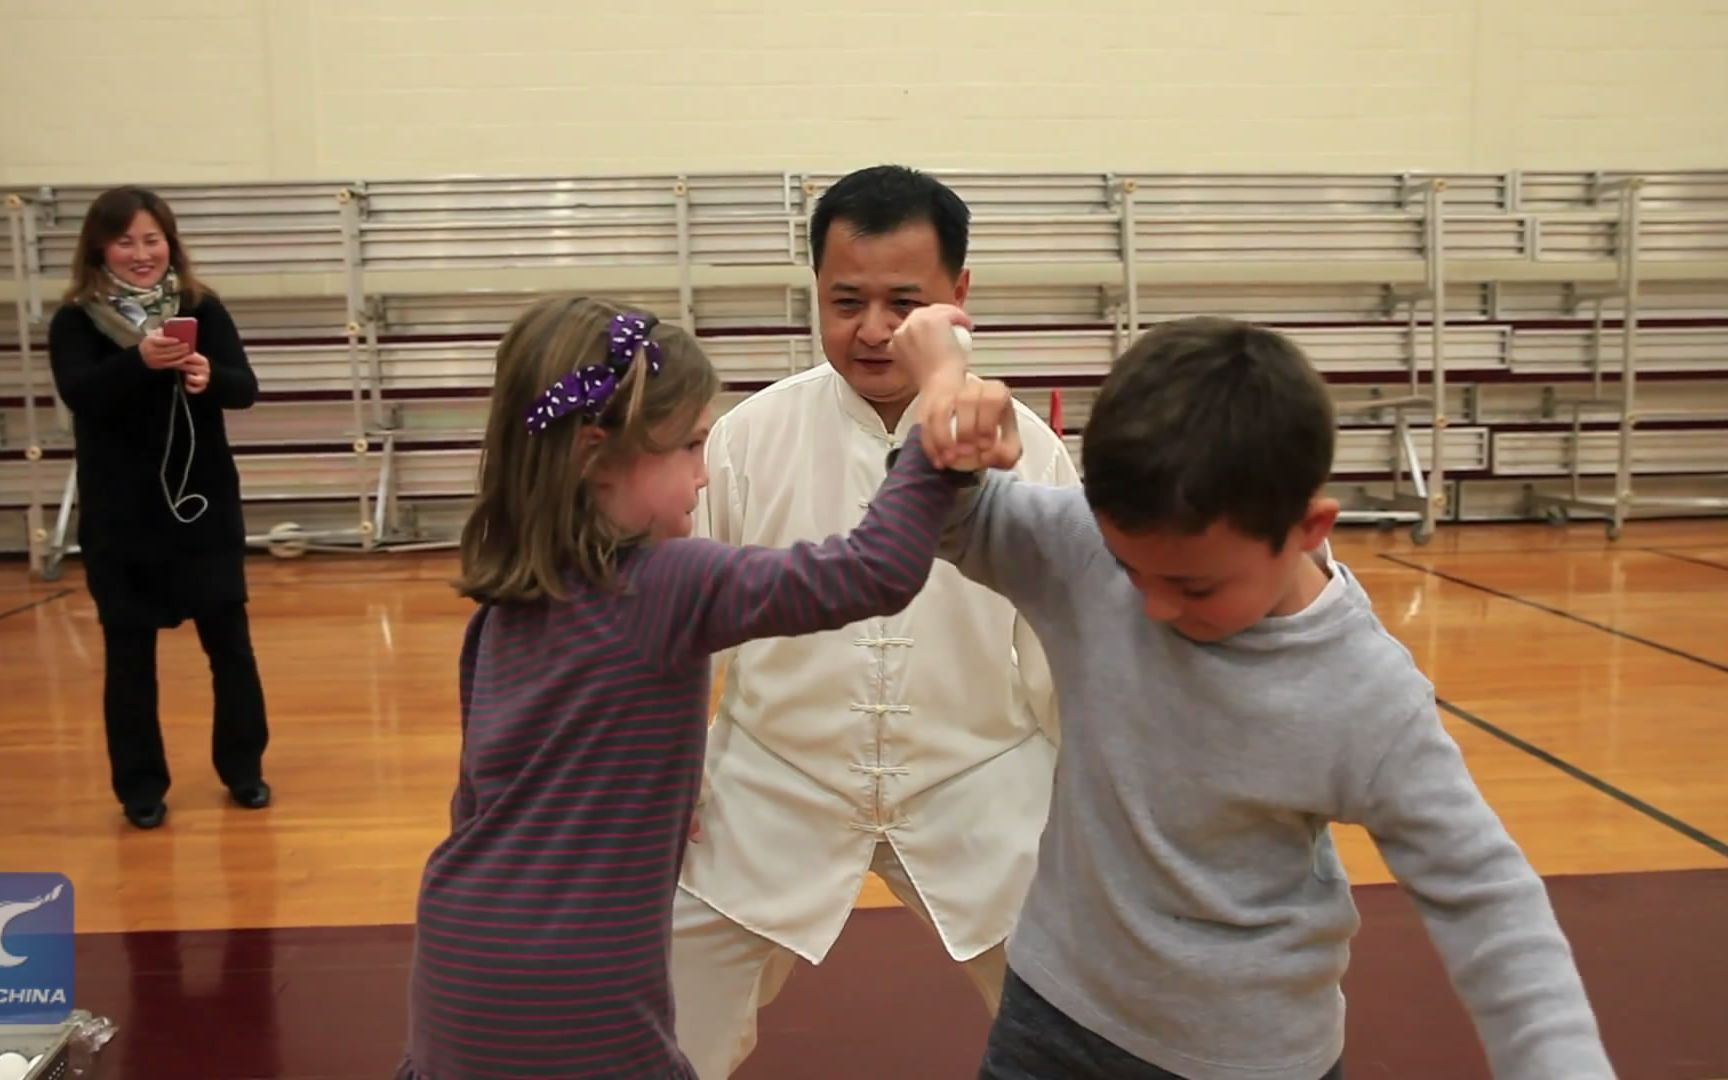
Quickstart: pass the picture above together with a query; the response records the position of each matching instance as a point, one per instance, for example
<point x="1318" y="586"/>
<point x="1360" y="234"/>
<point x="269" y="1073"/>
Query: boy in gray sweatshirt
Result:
<point x="1227" y="693"/>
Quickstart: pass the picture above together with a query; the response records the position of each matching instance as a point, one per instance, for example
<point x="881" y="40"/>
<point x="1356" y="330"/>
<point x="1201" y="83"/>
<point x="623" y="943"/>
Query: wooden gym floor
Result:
<point x="1585" y="681"/>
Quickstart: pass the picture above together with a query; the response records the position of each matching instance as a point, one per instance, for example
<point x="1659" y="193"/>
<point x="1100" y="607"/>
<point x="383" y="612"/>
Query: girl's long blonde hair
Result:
<point x="535" y="522"/>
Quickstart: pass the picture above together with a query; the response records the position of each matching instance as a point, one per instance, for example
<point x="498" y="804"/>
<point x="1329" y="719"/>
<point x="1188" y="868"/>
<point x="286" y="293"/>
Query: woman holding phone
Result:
<point x="147" y="358"/>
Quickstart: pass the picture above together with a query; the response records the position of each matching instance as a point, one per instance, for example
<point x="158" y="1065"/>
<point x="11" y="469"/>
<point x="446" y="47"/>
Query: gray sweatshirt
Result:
<point x="1188" y="904"/>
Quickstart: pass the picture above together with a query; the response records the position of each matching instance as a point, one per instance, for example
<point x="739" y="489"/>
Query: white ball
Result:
<point x="13" y="1066"/>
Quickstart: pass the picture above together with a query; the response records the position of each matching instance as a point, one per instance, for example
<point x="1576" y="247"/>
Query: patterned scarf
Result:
<point x="127" y="312"/>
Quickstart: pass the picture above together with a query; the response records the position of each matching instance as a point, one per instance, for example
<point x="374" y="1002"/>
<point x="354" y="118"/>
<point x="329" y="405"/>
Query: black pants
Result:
<point x="136" y="758"/>
<point x="1033" y="1040"/>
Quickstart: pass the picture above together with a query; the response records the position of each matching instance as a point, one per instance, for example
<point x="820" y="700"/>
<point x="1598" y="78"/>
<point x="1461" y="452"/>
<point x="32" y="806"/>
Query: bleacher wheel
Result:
<point x="285" y="541"/>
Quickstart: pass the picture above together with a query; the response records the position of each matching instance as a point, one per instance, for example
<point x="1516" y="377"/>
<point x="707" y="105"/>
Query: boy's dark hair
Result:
<point x="882" y="198"/>
<point x="1209" y="419"/>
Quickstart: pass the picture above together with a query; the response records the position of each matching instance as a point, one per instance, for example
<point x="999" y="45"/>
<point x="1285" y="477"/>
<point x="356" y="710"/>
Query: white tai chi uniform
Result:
<point x="920" y="746"/>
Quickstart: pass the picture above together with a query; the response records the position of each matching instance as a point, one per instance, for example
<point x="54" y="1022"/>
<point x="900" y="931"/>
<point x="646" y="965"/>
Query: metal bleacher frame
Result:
<point x="1425" y="504"/>
<point x="371" y="308"/>
<point x="1616" y="506"/>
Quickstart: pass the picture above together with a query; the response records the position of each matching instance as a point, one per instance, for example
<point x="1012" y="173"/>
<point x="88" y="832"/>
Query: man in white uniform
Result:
<point x="920" y="747"/>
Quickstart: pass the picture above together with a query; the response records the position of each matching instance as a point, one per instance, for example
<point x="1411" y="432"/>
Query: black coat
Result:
<point x="145" y="565"/>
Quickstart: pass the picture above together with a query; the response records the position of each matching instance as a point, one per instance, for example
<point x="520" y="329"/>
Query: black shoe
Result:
<point x="251" y="796"/>
<point x="146" y="815"/>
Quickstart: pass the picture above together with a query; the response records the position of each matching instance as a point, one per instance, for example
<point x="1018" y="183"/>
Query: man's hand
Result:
<point x="924" y="345"/>
<point x="968" y="422"/>
<point x="696" y="814"/>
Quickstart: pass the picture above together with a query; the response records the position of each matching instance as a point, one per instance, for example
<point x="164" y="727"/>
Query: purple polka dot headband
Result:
<point x="587" y="390"/>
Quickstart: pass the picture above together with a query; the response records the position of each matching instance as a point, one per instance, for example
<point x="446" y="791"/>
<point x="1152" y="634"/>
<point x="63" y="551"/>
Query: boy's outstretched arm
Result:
<point x="1022" y="540"/>
<point x="1485" y="908"/>
<point x="1010" y="535"/>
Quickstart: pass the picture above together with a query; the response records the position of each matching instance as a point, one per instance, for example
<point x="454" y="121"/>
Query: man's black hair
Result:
<point x="883" y="198"/>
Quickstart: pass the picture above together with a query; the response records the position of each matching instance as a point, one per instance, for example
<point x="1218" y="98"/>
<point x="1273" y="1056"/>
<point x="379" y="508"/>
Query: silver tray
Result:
<point x="52" y="1041"/>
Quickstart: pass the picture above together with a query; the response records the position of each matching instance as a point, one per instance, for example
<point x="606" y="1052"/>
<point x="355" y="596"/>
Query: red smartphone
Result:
<point x="182" y="328"/>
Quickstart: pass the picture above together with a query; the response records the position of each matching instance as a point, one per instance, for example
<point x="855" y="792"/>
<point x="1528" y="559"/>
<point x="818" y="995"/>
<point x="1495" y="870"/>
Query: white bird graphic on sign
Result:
<point x="12" y="909"/>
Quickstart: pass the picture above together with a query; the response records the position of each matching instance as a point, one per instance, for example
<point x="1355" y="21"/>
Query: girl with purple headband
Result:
<point x="544" y="919"/>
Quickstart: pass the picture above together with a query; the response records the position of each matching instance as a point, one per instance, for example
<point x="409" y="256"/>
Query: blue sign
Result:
<point x="36" y="948"/>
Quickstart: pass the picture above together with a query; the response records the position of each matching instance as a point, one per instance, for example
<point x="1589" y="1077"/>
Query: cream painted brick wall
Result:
<point x="216" y="90"/>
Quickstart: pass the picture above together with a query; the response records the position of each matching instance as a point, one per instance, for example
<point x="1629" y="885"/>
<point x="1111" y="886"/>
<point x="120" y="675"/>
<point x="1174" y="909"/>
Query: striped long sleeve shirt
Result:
<point x="544" y="919"/>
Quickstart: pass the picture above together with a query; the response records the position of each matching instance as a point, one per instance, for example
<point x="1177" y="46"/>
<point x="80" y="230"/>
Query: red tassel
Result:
<point x="1056" y="410"/>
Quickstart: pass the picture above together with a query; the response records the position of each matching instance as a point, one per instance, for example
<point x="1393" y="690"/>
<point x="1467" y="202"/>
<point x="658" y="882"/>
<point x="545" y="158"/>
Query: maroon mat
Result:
<point x="329" y="1004"/>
